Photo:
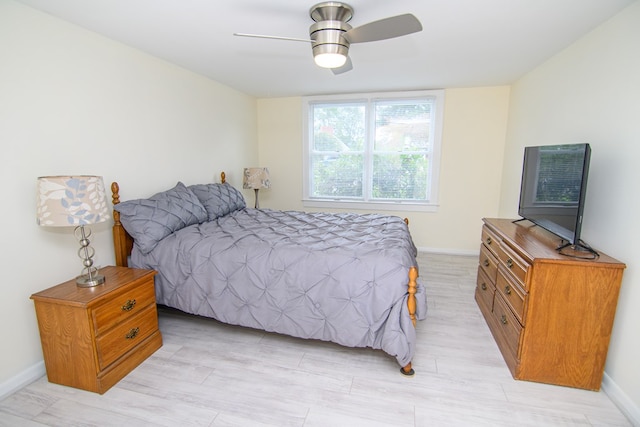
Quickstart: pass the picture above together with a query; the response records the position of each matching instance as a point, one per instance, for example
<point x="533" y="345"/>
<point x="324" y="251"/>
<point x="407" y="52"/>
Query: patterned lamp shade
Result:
<point x="256" y="178"/>
<point x="65" y="201"/>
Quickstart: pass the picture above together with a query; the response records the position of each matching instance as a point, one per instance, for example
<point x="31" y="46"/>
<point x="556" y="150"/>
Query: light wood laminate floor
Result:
<point x="210" y="374"/>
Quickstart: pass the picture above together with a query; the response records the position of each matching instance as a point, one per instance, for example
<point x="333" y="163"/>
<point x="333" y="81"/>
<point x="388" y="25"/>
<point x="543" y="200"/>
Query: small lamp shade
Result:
<point x="65" y="201"/>
<point x="256" y="178"/>
<point x="74" y="201"/>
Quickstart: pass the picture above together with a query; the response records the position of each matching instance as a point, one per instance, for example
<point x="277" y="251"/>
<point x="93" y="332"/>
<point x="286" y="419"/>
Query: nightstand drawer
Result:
<point x="123" y="306"/>
<point x="126" y="335"/>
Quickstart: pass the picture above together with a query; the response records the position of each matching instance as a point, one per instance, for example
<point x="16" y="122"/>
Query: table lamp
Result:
<point x="74" y="201"/>
<point x="256" y="178"/>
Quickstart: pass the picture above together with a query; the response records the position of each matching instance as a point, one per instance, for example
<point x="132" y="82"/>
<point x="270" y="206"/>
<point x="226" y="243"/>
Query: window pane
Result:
<point x="400" y="176"/>
<point x="402" y="125"/>
<point x="401" y="150"/>
<point x="338" y="127"/>
<point x="337" y="175"/>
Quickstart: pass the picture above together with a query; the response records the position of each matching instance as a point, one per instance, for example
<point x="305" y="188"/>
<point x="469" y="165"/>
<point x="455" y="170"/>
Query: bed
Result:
<point x="351" y="279"/>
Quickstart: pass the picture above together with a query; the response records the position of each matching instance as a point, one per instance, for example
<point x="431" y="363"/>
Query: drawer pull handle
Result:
<point x="128" y="306"/>
<point x="510" y="263"/>
<point x="486" y="262"/>
<point x="132" y="333"/>
<point x="484" y="286"/>
<point x="488" y="240"/>
<point x="507" y="290"/>
<point x="503" y="319"/>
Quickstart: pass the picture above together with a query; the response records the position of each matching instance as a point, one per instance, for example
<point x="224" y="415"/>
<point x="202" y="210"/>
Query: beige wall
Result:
<point x="74" y="102"/>
<point x="591" y="93"/>
<point x="474" y="131"/>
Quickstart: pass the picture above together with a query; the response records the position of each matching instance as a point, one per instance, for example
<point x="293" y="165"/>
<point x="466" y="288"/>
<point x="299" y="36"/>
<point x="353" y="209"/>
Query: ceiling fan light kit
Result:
<point x="331" y="35"/>
<point x="324" y="58"/>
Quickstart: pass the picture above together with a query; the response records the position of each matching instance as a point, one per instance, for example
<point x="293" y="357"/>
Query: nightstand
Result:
<point x="93" y="337"/>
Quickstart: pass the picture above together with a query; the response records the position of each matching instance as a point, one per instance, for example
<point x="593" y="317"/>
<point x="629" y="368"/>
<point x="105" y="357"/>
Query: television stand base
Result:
<point x="577" y="250"/>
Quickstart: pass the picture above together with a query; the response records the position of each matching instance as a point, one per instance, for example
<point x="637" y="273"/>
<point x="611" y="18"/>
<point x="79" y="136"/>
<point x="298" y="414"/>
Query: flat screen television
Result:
<point x="553" y="188"/>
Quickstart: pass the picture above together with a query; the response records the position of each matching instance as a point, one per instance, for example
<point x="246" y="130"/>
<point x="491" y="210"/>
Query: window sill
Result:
<point x="370" y="206"/>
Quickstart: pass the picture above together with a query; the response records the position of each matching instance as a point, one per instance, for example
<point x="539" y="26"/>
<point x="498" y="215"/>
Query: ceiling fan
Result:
<point x="330" y="36"/>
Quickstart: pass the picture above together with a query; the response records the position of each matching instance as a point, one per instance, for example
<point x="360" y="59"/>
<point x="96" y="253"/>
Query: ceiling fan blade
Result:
<point x="260" y="36"/>
<point x="348" y="66"/>
<point x="383" y="29"/>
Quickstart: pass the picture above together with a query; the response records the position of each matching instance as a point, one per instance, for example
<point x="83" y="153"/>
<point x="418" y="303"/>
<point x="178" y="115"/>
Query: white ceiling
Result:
<point x="464" y="43"/>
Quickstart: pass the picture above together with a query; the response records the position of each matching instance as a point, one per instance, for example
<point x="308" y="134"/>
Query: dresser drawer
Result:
<point x="517" y="266"/>
<point x="511" y="293"/>
<point x="126" y="335"/>
<point x="485" y="289"/>
<point x="488" y="263"/>
<point x="123" y="306"/>
<point x="490" y="240"/>
<point x="508" y="326"/>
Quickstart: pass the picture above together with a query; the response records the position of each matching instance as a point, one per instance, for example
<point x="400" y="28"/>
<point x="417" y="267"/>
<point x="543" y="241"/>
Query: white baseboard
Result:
<point x="621" y="400"/>
<point x="462" y="252"/>
<point x="24" y="378"/>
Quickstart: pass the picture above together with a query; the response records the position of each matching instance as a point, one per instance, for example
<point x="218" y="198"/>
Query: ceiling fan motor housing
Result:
<point x="330" y="25"/>
<point x="327" y="37"/>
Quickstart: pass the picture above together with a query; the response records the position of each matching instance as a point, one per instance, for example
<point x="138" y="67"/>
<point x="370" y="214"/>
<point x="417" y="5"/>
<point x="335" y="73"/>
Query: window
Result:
<point x="373" y="150"/>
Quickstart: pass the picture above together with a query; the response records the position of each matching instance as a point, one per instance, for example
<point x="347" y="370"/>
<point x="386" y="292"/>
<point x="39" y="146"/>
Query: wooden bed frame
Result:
<point x="123" y="244"/>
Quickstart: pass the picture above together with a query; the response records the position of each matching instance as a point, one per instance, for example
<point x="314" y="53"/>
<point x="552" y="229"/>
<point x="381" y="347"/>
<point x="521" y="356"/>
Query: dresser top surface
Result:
<point x="537" y="244"/>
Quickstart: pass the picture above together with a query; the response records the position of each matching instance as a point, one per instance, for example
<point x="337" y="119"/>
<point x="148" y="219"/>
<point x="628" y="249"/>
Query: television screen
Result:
<point x="553" y="187"/>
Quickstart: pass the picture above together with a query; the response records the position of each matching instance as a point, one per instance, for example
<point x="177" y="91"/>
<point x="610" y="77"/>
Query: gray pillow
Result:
<point x="150" y="220"/>
<point x="218" y="199"/>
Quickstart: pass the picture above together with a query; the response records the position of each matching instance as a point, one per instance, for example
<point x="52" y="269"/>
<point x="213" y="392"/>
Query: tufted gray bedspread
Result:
<point x="333" y="277"/>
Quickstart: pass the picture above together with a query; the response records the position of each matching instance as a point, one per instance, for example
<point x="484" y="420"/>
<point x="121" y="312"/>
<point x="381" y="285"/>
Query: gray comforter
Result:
<point x="334" y="277"/>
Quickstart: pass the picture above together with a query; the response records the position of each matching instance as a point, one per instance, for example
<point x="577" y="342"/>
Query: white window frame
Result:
<point x="369" y="98"/>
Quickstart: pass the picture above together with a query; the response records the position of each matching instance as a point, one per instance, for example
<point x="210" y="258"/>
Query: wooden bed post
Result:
<point x="411" y="305"/>
<point x="122" y="241"/>
<point x="413" y="285"/>
<point x="411" y="301"/>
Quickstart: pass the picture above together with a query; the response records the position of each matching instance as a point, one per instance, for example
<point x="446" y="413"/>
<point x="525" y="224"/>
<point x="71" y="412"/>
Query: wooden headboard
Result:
<point x="122" y="241"/>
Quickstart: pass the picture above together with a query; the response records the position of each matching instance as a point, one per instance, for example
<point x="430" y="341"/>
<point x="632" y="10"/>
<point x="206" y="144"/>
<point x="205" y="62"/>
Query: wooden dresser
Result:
<point x="93" y="337"/>
<point x="550" y="314"/>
